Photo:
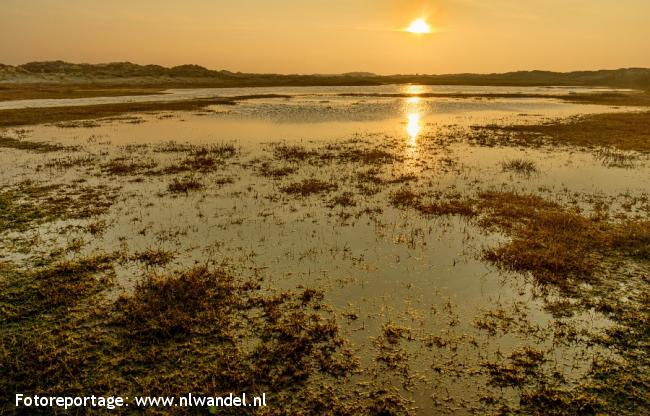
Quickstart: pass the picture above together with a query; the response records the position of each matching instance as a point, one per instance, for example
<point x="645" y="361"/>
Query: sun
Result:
<point x="419" y="27"/>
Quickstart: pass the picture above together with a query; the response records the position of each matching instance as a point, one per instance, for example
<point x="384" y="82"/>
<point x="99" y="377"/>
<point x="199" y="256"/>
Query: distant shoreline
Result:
<point x="61" y="80"/>
<point x="184" y="76"/>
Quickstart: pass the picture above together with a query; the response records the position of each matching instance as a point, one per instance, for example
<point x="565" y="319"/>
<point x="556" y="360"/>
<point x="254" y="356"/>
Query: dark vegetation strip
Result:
<point x="625" y="131"/>
<point x="32" y="91"/>
<point x="27" y="116"/>
<point x="40" y="147"/>
<point x="121" y="73"/>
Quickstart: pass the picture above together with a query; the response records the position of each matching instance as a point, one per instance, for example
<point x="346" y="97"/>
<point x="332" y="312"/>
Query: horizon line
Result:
<point x="366" y="72"/>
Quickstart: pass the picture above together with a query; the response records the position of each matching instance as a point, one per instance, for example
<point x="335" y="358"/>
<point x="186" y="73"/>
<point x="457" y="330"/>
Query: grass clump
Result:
<point x="207" y="158"/>
<point x="153" y="257"/>
<point x="456" y="206"/>
<point x="342" y="153"/>
<point x="346" y="199"/>
<point x="122" y="166"/>
<point x="555" y="244"/>
<point x="223" y="150"/>
<point x="393" y="333"/>
<point x="308" y="187"/>
<point x="523" y="364"/>
<point x="172" y="146"/>
<point x="200" y="162"/>
<point x="184" y="185"/>
<point x="276" y="172"/>
<point x="366" y="156"/>
<point x="632" y="238"/>
<point x="521" y="166"/>
<point x="554" y="401"/>
<point x="623" y="131"/>
<point x="405" y="197"/>
<point x="57" y="285"/>
<point x="39" y="147"/>
<point x="450" y="204"/>
<point x="28" y="203"/>
<point x="203" y="159"/>
<point x="164" y="308"/>
<point x="71" y="161"/>
<point x="614" y="158"/>
<point x="293" y="153"/>
<point x="77" y="124"/>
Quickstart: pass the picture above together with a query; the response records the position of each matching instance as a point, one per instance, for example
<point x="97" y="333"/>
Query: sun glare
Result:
<point x="413" y="126"/>
<point x="419" y="27"/>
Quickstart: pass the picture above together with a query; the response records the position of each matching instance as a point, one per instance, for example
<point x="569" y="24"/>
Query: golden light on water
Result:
<point x="413" y="126"/>
<point x="413" y="131"/>
<point x="413" y="113"/>
<point x="413" y="100"/>
<point x="419" y="27"/>
<point x="414" y="89"/>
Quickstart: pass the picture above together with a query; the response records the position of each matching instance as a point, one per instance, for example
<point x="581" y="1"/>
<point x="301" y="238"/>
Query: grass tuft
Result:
<point x="184" y="185"/>
<point x="308" y="187"/>
<point x="520" y="166"/>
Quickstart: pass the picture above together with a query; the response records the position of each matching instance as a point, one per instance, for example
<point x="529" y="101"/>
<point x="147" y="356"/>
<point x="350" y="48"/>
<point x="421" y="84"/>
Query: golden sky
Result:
<point x="331" y="36"/>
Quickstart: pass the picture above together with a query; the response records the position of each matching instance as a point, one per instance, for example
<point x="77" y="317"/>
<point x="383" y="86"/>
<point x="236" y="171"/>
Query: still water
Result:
<point x="382" y="265"/>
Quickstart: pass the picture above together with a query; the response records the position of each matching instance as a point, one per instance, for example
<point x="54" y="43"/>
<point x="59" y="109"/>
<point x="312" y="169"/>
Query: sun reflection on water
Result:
<point x="413" y="112"/>
<point x="413" y="100"/>
<point x="413" y="127"/>
<point x="414" y="89"/>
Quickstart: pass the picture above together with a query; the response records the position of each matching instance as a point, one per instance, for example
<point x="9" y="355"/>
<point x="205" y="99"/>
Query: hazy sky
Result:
<point x="331" y="36"/>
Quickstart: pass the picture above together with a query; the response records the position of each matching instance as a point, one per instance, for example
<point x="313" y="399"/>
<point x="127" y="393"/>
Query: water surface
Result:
<point x="380" y="264"/>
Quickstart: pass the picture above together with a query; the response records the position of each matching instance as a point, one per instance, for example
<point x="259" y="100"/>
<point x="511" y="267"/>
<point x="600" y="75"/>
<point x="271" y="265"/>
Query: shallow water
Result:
<point x="306" y="92"/>
<point x="389" y="267"/>
<point x="321" y="114"/>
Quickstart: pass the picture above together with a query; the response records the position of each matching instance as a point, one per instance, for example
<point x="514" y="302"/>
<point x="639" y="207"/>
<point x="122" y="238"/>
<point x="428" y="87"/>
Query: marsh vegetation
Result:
<point x="476" y="265"/>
